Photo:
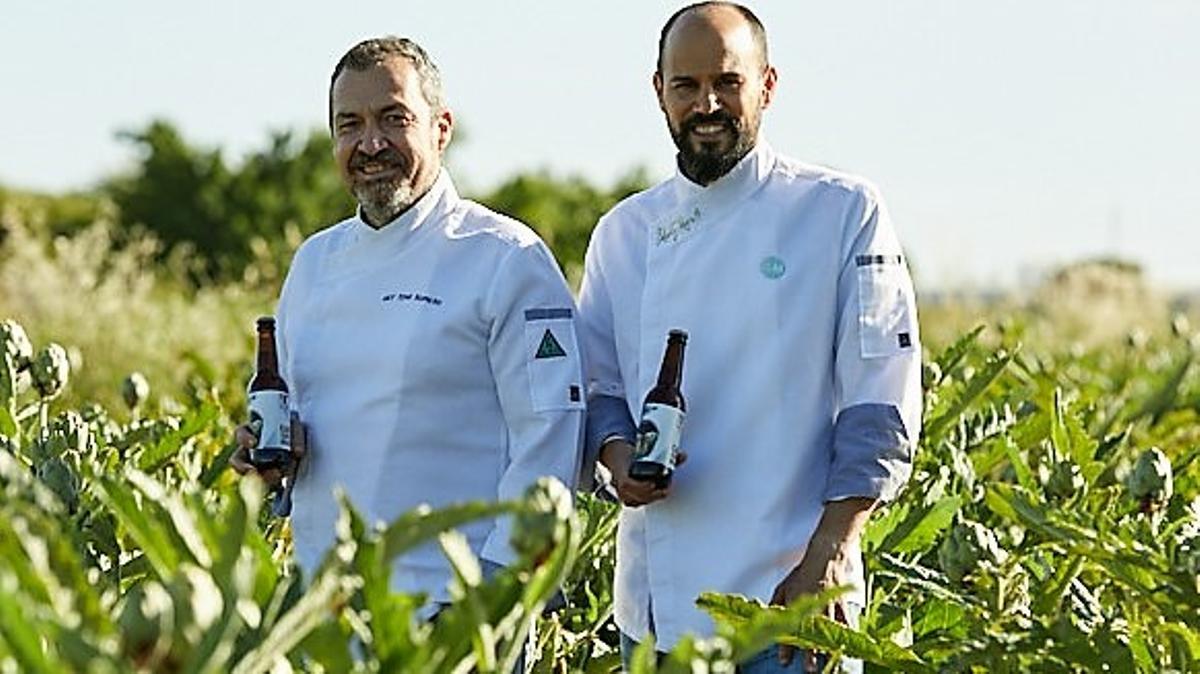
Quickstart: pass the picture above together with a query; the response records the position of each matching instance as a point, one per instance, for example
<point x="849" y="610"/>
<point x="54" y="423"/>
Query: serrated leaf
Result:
<point x="921" y="528"/>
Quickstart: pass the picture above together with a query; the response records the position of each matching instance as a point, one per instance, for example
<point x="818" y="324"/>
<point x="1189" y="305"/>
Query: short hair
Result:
<point x="758" y="32"/>
<point x="370" y="53"/>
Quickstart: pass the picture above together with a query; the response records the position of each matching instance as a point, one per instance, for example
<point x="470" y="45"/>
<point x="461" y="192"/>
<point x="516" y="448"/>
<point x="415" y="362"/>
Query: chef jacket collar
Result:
<point x="408" y="221"/>
<point x="751" y="170"/>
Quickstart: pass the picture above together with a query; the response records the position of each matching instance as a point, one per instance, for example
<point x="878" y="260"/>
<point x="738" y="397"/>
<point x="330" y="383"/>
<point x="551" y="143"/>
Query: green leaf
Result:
<point x="157" y="545"/>
<point x="323" y="601"/>
<point x="8" y="425"/>
<point x="992" y="368"/>
<point x="219" y="465"/>
<point x="422" y="524"/>
<point x="196" y="420"/>
<point x="920" y="529"/>
<point x="20" y="632"/>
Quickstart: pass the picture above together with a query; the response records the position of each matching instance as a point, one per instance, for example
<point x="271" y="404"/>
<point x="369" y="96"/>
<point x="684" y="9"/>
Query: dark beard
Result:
<point x="706" y="165"/>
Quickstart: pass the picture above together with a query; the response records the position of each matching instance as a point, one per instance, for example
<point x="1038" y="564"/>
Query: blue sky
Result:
<point x="1006" y="137"/>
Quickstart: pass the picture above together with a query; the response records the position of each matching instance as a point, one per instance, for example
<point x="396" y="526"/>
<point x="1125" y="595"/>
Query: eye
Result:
<point x="683" y="85"/>
<point x="346" y="125"/>
<point x="730" y="83"/>
<point x="397" y="119"/>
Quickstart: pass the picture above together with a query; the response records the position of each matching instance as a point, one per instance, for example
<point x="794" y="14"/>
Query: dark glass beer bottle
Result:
<point x="662" y="418"/>
<point x="268" y="402"/>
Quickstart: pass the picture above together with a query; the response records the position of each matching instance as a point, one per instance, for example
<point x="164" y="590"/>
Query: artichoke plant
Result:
<point x="1150" y="482"/>
<point x="134" y="390"/>
<point x="50" y="369"/>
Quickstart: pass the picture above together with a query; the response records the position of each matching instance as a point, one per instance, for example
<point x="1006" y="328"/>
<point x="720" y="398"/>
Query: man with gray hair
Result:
<point x="428" y="343"/>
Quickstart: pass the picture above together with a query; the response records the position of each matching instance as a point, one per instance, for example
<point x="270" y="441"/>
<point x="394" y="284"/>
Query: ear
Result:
<point x="445" y="128"/>
<point x="658" y="90"/>
<point x="769" y="79"/>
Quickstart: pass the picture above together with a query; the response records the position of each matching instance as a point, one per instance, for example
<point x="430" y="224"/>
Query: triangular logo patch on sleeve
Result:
<point x="550" y="348"/>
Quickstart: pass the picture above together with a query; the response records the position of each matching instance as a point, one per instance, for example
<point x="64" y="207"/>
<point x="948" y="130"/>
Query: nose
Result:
<point x="372" y="141"/>
<point x="707" y="102"/>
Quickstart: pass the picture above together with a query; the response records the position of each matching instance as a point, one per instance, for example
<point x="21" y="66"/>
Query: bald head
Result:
<point x="724" y="20"/>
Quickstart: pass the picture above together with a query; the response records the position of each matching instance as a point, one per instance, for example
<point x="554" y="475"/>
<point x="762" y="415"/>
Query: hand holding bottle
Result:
<point x="618" y="455"/>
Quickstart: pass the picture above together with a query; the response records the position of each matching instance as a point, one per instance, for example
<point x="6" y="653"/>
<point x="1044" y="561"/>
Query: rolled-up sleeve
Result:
<point x="877" y="363"/>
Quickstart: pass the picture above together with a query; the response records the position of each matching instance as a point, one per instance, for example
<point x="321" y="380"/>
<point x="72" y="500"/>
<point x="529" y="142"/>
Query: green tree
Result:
<point x="189" y="196"/>
<point x="562" y="211"/>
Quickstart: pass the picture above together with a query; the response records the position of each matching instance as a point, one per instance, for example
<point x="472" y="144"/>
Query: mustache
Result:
<point x="387" y="156"/>
<point x="718" y="117"/>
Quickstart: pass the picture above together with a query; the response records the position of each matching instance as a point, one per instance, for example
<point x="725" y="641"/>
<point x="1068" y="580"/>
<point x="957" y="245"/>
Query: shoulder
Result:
<point x="473" y="223"/>
<point x="635" y="213"/>
<point x="826" y="182"/>
<point x="322" y="242"/>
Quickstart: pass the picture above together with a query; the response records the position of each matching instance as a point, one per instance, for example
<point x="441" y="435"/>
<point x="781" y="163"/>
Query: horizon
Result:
<point x="1006" y="140"/>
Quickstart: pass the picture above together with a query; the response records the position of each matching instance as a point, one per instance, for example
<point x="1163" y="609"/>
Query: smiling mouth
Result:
<point x="709" y="130"/>
<point x="374" y="170"/>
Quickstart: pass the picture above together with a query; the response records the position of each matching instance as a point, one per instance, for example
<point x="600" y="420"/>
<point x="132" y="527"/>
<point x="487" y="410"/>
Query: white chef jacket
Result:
<point x="433" y="360"/>
<point x="801" y="373"/>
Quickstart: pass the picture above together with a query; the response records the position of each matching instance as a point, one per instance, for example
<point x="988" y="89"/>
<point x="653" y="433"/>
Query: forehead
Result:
<point x="710" y="42"/>
<point x="392" y="81"/>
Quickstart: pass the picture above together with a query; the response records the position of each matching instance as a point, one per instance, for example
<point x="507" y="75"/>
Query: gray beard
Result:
<point x="382" y="203"/>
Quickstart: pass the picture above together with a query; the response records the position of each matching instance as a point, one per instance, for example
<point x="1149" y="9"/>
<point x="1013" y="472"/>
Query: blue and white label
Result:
<point x="659" y="433"/>
<point x="270" y="419"/>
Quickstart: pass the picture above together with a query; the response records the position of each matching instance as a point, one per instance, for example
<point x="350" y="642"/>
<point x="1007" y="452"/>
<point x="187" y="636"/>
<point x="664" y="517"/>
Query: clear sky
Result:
<point x="1006" y="136"/>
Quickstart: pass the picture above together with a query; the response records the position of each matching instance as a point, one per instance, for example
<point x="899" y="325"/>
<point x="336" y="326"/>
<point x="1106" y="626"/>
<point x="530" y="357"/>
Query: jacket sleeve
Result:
<point x="537" y="367"/>
<point x="608" y="414"/>
<point x="877" y="362"/>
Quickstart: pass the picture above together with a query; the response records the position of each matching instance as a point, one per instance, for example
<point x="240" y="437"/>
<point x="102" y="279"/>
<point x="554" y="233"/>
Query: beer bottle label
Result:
<point x="658" y="434"/>
<point x="269" y="417"/>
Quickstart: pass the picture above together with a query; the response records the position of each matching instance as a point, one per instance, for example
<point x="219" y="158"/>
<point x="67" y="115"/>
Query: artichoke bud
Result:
<point x="135" y="389"/>
<point x="1150" y="483"/>
<point x="968" y="544"/>
<point x="1065" y="480"/>
<point x="15" y="343"/>
<point x="546" y="503"/>
<point x="60" y="479"/>
<point x="51" y="369"/>
<point x="931" y="374"/>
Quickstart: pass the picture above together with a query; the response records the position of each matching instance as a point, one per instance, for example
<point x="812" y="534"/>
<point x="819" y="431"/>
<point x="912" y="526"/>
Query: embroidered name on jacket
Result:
<point x="677" y="228"/>
<point x="412" y="297"/>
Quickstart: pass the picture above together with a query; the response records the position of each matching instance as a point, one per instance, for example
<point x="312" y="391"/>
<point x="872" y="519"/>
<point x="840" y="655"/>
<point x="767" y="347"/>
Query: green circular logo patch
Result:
<point x="772" y="267"/>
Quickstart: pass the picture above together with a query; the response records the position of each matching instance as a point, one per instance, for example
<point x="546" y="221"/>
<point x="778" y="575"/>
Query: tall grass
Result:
<point x="121" y="308"/>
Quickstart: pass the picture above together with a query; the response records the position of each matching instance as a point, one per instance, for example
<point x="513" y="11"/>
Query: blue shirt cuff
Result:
<point x="607" y="416"/>
<point x="872" y="455"/>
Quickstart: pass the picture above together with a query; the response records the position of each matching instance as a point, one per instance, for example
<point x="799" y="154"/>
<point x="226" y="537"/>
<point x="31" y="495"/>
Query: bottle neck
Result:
<point x="267" y="361"/>
<point x="671" y="372"/>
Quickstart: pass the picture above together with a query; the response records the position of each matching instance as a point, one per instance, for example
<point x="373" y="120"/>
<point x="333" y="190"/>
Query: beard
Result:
<point x="383" y="198"/>
<point x="707" y="161"/>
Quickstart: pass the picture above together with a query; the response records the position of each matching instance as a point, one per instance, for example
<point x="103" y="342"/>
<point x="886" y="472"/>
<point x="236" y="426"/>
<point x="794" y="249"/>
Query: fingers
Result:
<point x="680" y="458"/>
<point x="635" y="493"/>
<point x="240" y="460"/>
<point x="245" y="437"/>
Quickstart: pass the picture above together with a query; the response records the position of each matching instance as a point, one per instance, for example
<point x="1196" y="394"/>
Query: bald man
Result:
<point x="802" y="374"/>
